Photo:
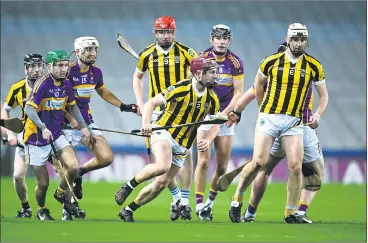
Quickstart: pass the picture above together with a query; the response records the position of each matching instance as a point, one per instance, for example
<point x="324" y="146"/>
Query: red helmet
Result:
<point x="202" y="63"/>
<point x="165" y="22"/>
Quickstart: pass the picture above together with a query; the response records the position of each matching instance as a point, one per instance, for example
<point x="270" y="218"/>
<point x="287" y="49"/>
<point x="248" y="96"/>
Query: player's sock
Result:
<point x="238" y="197"/>
<point x="185" y="197"/>
<point x="199" y="200"/>
<point x="81" y="171"/>
<point x="289" y="210"/>
<point x="132" y="184"/>
<point x="251" y="210"/>
<point x="176" y="194"/>
<point x="211" y="197"/>
<point x="25" y="205"/>
<point x="132" y="206"/>
<point x="302" y="209"/>
<point x="60" y="190"/>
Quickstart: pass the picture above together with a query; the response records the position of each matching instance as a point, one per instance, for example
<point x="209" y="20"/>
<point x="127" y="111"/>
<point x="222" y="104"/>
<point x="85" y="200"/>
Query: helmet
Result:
<point x="33" y="64"/>
<point x="56" y="56"/>
<point x="83" y="42"/>
<point x="202" y="63"/>
<point x="32" y="58"/>
<point x="296" y="30"/>
<point x="164" y="22"/>
<point x="221" y="30"/>
<point x="282" y="47"/>
<point x="59" y="73"/>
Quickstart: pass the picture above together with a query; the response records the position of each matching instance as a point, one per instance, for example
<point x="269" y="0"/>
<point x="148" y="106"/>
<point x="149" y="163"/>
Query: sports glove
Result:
<point x="129" y="108"/>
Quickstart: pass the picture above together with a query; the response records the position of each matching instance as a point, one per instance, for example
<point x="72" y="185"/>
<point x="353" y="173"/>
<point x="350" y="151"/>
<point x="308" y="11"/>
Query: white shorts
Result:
<point x="74" y="136"/>
<point x="223" y="131"/>
<point x="179" y="152"/>
<point x="38" y="155"/>
<point x="18" y="150"/>
<point x="278" y="125"/>
<point x="312" y="146"/>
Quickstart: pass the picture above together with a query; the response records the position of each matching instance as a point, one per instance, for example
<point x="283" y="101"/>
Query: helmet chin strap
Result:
<point x="295" y="53"/>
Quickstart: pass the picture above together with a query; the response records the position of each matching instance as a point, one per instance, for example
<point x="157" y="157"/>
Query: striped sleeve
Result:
<point x="215" y="104"/>
<point x="11" y="101"/>
<point x="144" y="56"/>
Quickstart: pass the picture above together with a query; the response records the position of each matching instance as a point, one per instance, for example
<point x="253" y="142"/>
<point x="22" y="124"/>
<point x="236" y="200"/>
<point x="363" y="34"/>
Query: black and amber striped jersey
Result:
<point x="18" y="95"/>
<point x="185" y="104"/>
<point x="165" y="68"/>
<point x="289" y="82"/>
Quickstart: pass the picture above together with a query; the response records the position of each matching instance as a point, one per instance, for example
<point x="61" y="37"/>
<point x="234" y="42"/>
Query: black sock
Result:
<point x="132" y="184"/>
<point x="133" y="206"/>
<point x="81" y="171"/>
<point x="25" y="205"/>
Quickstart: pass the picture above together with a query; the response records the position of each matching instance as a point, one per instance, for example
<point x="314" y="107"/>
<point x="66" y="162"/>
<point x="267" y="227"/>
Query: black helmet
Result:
<point x="32" y="58"/>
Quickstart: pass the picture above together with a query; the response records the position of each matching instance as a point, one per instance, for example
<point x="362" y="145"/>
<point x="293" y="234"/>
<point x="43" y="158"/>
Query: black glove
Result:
<point x="129" y="108"/>
<point x="238" y="114"/>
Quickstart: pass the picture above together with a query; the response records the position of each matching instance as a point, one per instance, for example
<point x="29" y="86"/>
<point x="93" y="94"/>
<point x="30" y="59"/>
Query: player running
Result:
<point x="290" y="75"/>
<point x="185" y="102"/>
<point x="45" y="114"/>
<point x="85" y="78"/>
<point x="229" y="89"/>
<point x="167" y="62"/>
<point x="17" y="96"/>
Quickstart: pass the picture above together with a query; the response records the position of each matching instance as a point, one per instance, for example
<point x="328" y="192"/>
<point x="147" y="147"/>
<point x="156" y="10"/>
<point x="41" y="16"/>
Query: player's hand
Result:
<point x="47" y="135"/>
<point x="130" y="108"/>
<point x="12" y="139"/>
<point x="314" y="121"/>
<point x="233" y="118"/>
<point x="146" y="129"/>
<point x="87" y="135"/>
<point x="203" y="145"/>
<point x="73" y="123"/>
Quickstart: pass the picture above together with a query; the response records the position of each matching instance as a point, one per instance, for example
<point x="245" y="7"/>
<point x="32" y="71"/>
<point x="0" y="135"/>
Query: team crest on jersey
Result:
<point x="177" y="59"/>
<point x="170" y="88"/>
<point x="191" y="51"/>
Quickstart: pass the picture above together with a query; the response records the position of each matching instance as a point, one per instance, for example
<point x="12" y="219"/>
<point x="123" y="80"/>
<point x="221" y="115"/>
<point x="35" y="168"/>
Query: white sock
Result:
<point x="248" y="214"/>
<point x="130" y="185"/>
<point x="209" y="203"/>
<point x="199" y="206"/>
<point x="184" y="201"/>
<point x="300" y="212"/>
<point x="128" y="208"/>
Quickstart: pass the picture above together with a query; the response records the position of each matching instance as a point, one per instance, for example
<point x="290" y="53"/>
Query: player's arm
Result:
<point x="10" y="103"/>
<point x="322" y="104"/>
<point x="243" y="102"/>
<point x="138" y="87"/>
<point x="258" y="86"/>
<point x="70" y="118"/>
<point x="148" y="109"/>
<point x="108" y="96"/>
<point x="238" y="91"/>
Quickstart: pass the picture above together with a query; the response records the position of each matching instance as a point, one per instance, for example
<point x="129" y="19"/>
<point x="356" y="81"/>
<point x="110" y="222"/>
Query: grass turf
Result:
<point x="338" y="212"/>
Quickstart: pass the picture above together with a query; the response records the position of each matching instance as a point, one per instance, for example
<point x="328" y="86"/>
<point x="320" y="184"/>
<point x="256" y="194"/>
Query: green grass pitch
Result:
<point x="338" y="212"/>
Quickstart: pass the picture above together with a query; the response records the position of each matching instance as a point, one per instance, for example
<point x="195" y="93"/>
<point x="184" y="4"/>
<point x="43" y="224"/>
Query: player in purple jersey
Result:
<point x="85" y="78"/>
<point x="229" y="89"/>
<point x="312" y="168"/>
<point x="45" y="109"/>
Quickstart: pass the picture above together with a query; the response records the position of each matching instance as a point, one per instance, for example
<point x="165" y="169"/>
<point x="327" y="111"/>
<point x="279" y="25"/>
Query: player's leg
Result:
<point x="19" y="175"/>
<point x="161" y="145"/>
<point x="223" y="143"/>
<point x="293" y="145"/>
<point x="185" y="177"/>
<point x="201" y="171"/>
<point x="259" y="186"/>
<point x="265" y="134"/>
<point x="37" y="157"/>
<point x="151" y="191"/>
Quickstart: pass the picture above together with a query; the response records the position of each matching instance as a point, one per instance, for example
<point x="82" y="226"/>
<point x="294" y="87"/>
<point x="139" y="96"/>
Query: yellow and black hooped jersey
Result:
<point x="184" y="104"/>
<point x="289" y="83"/>
<point x="165" y="68"/>
<point x="18" y="95"/>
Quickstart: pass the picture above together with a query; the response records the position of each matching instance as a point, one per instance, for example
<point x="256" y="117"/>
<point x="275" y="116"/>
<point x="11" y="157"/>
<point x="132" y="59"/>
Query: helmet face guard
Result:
<point x="297" y="39"/>
<point x="164" y="30"/>
<point x="86" y="49"/>
<point x="220" y="39"/>
<point x="33" y="66"/>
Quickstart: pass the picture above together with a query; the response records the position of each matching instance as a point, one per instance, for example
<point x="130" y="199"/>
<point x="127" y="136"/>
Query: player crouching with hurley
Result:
<point x="185" y="102"/>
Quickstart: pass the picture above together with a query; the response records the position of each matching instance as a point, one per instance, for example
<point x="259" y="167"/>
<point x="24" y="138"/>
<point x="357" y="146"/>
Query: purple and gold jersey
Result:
<point x="308" y="106"/>
<point x="50" y="99"/>
<point x="230" y="70"/>
<point x="84" y="83"/>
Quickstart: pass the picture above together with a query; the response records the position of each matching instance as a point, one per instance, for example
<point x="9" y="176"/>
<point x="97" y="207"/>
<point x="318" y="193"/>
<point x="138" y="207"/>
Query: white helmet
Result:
<point x="297" y="29"/>
<point x="83" y="42"/>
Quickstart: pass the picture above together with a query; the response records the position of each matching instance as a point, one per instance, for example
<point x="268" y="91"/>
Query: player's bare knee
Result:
<point x="106" y="159"/>
<point x="221" y="170"/>
<point x="18" y="179"/>
<point x="161" y="184"/>
<point x="162" y="169"/>
<point x="295" y="167"/>
<point x="202" y="164"/>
